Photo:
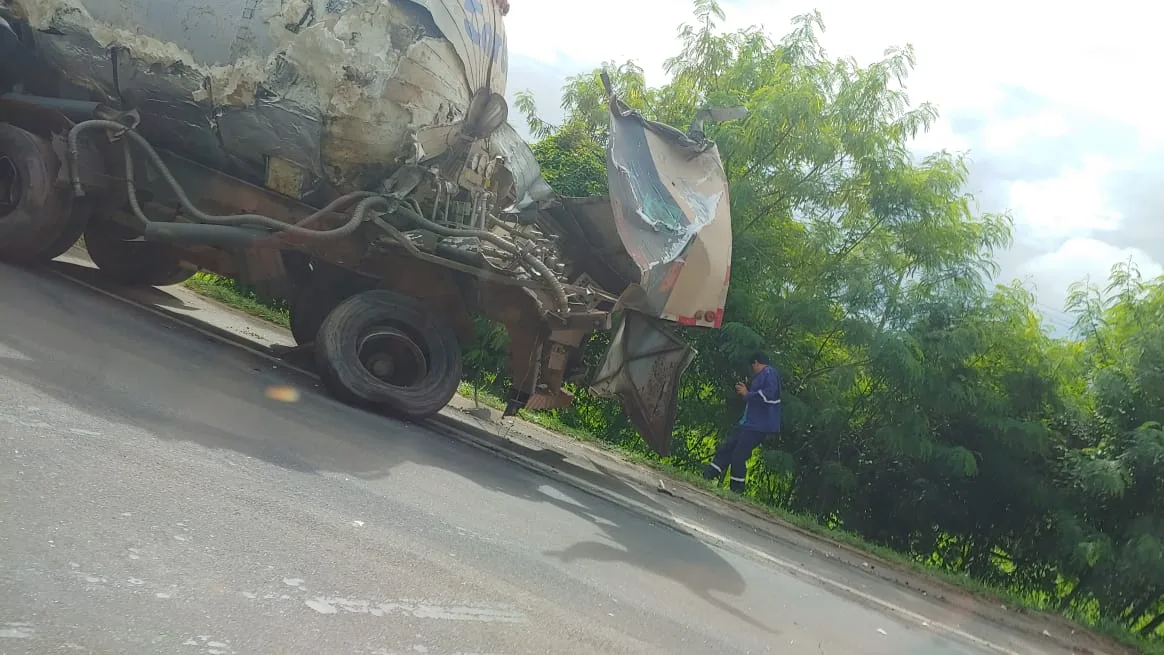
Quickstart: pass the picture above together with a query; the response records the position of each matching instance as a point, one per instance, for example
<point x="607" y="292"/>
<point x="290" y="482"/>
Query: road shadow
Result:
<point x="102" y="357"/>
<point x="682" y="558"/>
<point x="91" y="276"/>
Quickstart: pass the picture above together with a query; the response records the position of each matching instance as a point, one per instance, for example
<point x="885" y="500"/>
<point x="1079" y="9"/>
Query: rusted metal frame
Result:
<point x="402" y="240"/>
<point x="227" y="193"/>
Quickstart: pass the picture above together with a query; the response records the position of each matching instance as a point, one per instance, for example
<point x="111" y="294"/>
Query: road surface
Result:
<point x="157" y="497"/>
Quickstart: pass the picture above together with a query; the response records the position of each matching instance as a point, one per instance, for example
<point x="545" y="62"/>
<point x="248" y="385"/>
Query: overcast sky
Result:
<point x="1057" y="107"/>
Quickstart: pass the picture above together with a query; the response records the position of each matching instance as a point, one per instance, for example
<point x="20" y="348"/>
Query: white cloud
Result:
<point x="941" y="137"/>
<point x="1077" y="259"/>
<point x="1087" y="56"/>
<point x="1006" y="134"/>
<point x="1071" y="205"/>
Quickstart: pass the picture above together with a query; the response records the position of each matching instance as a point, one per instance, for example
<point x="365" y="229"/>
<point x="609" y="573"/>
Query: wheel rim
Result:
<point x="392" y="356"/>
<point x="10" y="186"/>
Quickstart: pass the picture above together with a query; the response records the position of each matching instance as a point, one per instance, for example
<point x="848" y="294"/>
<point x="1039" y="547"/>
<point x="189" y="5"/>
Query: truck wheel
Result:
<point x="311" y="306"/>
<point x="33" y="211"/>
<point x="132" y="263"/>
<point x="383" y="348"/>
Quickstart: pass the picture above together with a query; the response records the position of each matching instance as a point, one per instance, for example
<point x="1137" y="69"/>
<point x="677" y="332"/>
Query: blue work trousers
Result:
<point x="732" y="455"/>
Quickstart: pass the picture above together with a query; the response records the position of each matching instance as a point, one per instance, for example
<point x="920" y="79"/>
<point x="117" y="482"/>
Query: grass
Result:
<point x="483" y="396"/>
<point x="224" y="291"/>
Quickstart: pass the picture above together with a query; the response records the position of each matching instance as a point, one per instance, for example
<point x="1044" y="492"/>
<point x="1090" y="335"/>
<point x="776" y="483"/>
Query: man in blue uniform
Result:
<point x="761" y="419"/>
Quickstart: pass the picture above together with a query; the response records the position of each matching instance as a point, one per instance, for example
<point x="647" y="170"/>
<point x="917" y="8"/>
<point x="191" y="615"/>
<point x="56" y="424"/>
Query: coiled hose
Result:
<point x="533" y="262"/>
<point x="232" y="219"/>
<point x="367" y="200"/>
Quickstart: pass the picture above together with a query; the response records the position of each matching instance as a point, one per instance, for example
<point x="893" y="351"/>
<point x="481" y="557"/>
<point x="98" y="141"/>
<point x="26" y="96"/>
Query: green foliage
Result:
<point x="572" y="161"/>
<point x="485" y="362"/>
<point x="239" y="296"/>
<point x="924" y="410"/>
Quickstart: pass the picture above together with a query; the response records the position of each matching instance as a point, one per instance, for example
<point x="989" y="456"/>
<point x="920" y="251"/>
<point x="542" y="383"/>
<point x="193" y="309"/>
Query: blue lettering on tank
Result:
<point x="484" y="38"/>
<point x="487" y="37"/>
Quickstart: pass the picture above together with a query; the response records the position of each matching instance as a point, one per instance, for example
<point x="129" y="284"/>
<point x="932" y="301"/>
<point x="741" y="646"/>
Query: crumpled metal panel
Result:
<point x="669" y="215"/>
<point x="642" y="370"/>
<point x="519" y="161"/>
<point x="670" y="205"/>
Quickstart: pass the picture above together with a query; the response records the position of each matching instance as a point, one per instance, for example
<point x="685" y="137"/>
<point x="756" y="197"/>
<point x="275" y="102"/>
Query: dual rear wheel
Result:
<point x="41" y="220"/>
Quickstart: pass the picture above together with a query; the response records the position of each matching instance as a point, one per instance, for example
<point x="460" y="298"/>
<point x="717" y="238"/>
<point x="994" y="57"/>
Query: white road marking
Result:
<point x="16" y="631"/>
<point x="418" y="609"/>
<point x="7" y="352"/>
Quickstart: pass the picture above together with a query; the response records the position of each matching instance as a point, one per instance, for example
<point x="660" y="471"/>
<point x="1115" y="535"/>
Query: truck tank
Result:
<point x="356" y="157"/>
<point x="340" y="89"/>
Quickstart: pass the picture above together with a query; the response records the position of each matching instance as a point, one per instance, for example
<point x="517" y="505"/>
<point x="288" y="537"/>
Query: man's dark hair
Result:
<point x="761" y="358"/>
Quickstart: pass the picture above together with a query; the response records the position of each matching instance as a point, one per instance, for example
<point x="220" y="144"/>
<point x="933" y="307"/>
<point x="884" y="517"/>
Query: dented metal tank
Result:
<point x="341" y="90"/>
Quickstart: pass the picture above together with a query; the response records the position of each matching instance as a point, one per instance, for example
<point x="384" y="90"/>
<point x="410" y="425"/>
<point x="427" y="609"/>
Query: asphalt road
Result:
<point x="155" y="499"/>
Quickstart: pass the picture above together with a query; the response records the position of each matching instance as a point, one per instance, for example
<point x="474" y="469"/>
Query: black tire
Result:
<point x="311" y="307"/>
<point x="33" y="210"/>
<point x="371" y="322"/>
<point x="132" y="263"/>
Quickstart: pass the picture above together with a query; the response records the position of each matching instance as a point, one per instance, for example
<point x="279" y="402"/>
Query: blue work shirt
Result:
<point x="762" y="412"/>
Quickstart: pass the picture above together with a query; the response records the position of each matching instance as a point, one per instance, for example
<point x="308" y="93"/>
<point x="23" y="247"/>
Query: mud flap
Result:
<point x="642" y="369"/>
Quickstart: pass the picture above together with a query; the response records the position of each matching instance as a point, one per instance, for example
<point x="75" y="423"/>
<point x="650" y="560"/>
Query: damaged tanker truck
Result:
<point x="354" y="158"/>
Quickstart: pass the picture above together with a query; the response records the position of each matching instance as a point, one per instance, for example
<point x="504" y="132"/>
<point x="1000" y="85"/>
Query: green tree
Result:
<point x="1116" y="465"/>
<point x="572" y="161"/>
